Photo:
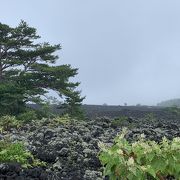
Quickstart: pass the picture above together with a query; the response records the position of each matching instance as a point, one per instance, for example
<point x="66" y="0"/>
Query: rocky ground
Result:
<point x="71" y="151"/>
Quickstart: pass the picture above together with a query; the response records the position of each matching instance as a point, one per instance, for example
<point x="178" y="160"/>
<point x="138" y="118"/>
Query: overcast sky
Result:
<point x="126" y="50"/>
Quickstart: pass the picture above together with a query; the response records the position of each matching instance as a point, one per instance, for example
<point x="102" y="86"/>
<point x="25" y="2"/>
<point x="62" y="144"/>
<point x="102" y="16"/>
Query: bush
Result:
<point x="16" y="153"/>
<point x="8" y="122"/>
<point x="65" y="120"/>
<point x="117" y="122"/>
<point x="141" y="159"/>
<point x="174" y="110"/>
<point x="27" y="116"/>
<point x="150" y="117"/>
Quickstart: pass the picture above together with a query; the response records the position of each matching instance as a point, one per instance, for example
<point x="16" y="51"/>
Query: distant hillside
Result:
<point x="170" y="103"/>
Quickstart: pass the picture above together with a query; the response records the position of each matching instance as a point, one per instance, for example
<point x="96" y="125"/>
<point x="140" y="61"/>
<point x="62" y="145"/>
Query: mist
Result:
<point x="126" y="51"/>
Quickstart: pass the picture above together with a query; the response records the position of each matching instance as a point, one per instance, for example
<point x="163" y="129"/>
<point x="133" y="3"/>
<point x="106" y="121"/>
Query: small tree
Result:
<point x="47" y="107"/>
<point x="28" y="70"/>
<point x="72" y="104"/>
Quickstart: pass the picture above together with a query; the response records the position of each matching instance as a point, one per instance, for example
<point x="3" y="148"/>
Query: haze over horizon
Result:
<point x="126" y="51"/>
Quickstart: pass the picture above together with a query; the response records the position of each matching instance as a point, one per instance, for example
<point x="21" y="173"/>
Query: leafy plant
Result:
<point x="141" y="159"/>
<point x="27" y="116"/>
<point x="150" y="117"/>
<point x="65" y="120"/>
<point x="120" y="121"/>
<point x="8" y="122"/>
<point x="16" y="152"/>
<point x="174" y="110"/>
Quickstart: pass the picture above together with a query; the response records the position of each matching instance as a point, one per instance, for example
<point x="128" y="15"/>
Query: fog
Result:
<point x="126" y="51"/>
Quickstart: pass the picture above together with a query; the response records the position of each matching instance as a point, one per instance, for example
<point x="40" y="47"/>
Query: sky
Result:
<point x="126" y="51"/>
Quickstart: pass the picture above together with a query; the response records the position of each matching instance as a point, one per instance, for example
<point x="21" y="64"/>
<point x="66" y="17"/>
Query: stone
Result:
<point x="57" y="165"/>
<point x="64" y="152"/>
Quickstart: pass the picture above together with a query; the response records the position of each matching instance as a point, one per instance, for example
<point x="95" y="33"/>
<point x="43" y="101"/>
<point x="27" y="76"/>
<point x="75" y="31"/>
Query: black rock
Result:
<point x="10" y="167"/>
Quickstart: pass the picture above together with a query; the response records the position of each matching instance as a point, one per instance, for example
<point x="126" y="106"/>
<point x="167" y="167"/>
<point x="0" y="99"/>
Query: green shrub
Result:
<point x="27" y="116"/>
<point x="174" y="110"/>
<point x="40" y="114"/>
<point x="141" y="160"/>
<point x="16" y="152"/>
<point x="8" y="122"/>
<point x="64" y="120"/>
<point x="150" y="117"/>
<point x="120" y="121"/>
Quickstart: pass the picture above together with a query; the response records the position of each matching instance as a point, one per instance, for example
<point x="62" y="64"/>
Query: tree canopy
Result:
<point x="28" y="70"/>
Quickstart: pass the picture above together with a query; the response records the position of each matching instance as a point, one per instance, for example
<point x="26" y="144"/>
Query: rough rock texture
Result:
<point x="71" y="150"/>
<point x="14" y="171"/>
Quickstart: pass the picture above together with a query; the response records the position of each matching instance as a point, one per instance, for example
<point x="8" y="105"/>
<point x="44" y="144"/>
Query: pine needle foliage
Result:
<point x="28" y="70"/>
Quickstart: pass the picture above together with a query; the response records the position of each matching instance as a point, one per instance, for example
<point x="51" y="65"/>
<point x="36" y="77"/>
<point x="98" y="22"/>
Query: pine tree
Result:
<point x="28" y="69"/>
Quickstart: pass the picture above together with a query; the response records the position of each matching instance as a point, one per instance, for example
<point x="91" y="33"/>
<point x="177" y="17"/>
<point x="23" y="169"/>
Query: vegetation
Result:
<point x="28" y="71"/>
<point x="150" y="117"/>
<point x="120" y="121"/>
<point x="59" y="120"/>
<point x="170" y="103"/>
<point x="17" y="153"/>
<point x="27" y="117"/>
<point x="141" y="160"/>
<point x="174" y="109"/>
<point x="8" y="122"/>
